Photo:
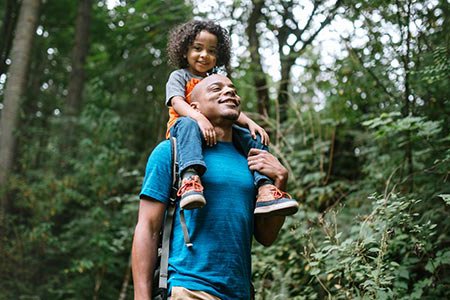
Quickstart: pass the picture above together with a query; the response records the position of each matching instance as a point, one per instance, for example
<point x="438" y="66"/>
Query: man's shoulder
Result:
<point x="162" y="147"/>
<point x="157" y="179"/>
<point x="161" y="152"/>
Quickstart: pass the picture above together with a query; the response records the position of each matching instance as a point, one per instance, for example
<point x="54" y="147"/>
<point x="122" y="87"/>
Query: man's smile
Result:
<point x="233" y="101"/>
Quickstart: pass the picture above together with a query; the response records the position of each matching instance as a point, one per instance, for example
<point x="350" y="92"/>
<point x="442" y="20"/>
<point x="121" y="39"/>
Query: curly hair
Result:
<point x="182" y="36"/>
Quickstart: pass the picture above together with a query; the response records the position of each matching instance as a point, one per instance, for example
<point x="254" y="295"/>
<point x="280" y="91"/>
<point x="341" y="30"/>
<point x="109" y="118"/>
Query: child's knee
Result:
<point x="186" y="122"/>
<point x="185" y="126"/>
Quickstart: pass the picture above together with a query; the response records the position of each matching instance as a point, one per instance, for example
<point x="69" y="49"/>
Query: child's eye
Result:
<point x="212" y="51"/>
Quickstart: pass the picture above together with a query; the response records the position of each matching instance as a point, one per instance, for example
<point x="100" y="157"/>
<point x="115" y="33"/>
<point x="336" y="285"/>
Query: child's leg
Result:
<point x="270" y="200"/>
<point x="244" y="141"/>
<point x="190" y="160"/>
<point x="189" y="145"/>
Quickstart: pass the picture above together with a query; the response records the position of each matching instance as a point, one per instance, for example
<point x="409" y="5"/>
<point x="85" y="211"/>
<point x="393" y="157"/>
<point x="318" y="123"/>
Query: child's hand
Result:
<point x="207" y="130"/>
<point x="256" y="129"/>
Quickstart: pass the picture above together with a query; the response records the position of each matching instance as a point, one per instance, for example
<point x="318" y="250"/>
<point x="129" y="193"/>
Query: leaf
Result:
<point x="446" y="198"/>
<point x="374" y="249"/>
<point x="430" y="266"/>
<point x="395" y="264"/>
<point x="315" y="272"/>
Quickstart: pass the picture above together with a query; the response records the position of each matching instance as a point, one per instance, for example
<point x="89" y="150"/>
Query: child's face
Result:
<point x="202" y="53"/>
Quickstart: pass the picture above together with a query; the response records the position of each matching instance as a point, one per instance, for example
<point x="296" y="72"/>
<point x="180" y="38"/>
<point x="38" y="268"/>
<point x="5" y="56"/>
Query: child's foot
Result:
<point x="191" y="193"/>
<point x="272" y="201"/>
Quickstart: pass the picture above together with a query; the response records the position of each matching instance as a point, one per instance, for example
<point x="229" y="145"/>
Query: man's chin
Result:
<point x="232" y="116"/>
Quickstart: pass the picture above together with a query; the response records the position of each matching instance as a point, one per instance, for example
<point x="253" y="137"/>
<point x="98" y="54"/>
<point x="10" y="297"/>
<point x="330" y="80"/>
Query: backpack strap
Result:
<point x="187" y="240"/>
<point x="168" y="222"/>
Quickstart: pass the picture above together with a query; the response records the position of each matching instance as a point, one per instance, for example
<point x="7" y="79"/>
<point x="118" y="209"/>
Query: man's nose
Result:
<point x="229" y="91"/>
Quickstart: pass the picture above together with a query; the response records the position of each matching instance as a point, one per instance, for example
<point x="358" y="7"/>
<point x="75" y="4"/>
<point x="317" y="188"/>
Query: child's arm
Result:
<point x="184" y="109"/>
<point x="245" y="121"/>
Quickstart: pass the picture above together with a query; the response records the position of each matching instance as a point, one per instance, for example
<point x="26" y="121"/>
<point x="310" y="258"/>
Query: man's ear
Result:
<point x="195" y="105"/>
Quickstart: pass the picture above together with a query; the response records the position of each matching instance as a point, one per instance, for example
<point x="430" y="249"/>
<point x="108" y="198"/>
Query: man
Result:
<point x="218" y="265"/>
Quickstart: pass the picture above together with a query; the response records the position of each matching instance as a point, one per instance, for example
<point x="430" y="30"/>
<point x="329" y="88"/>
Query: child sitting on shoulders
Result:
<point x="197" y="48"/>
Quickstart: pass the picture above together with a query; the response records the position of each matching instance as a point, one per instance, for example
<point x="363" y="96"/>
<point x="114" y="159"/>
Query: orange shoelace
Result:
<point x="189" y="185"/>
<point x="277" y="194"/>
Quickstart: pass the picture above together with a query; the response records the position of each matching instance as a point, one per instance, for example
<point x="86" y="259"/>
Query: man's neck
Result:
<point x="224" y="134"/>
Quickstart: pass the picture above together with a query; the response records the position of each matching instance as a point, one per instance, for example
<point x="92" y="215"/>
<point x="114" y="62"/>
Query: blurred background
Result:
<point x="355" y="96"/>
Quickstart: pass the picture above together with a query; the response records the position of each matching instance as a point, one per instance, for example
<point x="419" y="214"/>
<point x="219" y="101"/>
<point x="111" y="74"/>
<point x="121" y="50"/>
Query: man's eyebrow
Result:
<point x="219" y="83"/>
<point x="215" y="83"/>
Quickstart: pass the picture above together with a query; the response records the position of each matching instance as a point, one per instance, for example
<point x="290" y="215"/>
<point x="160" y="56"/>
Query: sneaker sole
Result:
<point x="282" y="209"/>
<point x="192" y="202"/>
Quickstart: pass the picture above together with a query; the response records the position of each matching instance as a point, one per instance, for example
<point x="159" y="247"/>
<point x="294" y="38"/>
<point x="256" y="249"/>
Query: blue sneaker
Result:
<point x="191" y="193"/>
<point x="272" y="201"/>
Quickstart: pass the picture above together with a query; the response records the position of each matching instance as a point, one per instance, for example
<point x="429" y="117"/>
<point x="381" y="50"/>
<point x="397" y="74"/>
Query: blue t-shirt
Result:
<point x="219" y="262"/>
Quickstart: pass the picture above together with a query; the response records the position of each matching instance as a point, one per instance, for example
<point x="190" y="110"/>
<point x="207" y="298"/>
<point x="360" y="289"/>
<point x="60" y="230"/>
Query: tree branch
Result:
<point x="371" y="73"/>
<point x="327" y="21"/>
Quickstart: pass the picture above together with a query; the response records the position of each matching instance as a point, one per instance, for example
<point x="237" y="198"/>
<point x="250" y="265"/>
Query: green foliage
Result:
<point x="348" y="243"/>
<point x="440" y="68"/>
<point x="378" y="260"/>
<point x="389" y="253"/>
<point x="368" y="157"/>
<point x="68" y="235"/>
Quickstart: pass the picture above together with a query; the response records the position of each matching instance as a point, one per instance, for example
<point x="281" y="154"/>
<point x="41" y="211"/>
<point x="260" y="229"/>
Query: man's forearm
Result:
<point x="267" y="228"/>
<point x="143" y="255"/>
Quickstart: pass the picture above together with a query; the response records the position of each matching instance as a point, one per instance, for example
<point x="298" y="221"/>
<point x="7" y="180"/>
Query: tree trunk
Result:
<point x="283" y="92"/>
<point x="20" y="57"/>
<point x="259" y="78"/>
<point x="77" y="78"/>
<point x="79" y="53"/>
<point x="7" y="31"/>
<point x="406" y="111"/>
<point x="288" y="60"/>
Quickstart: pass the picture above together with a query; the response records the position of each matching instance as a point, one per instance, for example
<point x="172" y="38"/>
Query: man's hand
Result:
<point x="267" y="164"/>
<point x="207" y="129"/>
<point x="256" y="129"/>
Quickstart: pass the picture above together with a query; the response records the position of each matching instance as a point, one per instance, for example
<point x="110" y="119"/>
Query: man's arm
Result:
<point x="267" y="228"/>
<point x="145" y="246"/>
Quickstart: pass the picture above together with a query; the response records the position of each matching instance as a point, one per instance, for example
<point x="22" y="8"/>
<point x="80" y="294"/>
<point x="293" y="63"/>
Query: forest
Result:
<point x="355" y="96"/>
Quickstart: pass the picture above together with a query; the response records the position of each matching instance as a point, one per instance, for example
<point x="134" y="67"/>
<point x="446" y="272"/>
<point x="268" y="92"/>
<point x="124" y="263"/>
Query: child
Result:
<point x="196" y="48"/>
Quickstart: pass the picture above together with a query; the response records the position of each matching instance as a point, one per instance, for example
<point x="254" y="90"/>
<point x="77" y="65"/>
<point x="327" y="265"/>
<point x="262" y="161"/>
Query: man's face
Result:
<point x="218" y="99"/>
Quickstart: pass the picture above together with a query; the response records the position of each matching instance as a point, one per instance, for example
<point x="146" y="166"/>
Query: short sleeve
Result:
<point x="158" y="174"/>
<point x="175" y="86"/>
